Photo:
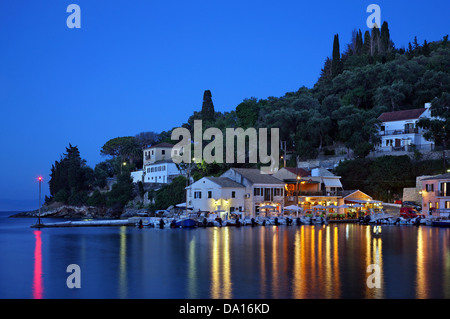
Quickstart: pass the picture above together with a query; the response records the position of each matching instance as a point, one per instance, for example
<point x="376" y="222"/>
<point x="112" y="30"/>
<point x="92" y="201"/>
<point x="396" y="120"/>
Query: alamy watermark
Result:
<point x="74" y="19"/>
<point x="373" y="20"/>
<point x="374" y="279"/>
<point x="74" y="279"/>
<point x="258" y="146"/>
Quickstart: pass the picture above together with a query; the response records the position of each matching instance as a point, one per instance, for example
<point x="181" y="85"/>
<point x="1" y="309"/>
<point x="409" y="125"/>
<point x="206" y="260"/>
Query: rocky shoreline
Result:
<point x="67" y="211"/>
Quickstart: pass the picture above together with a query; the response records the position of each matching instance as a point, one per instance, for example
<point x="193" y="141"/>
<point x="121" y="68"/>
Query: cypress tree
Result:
<point x="375" y="40"/>
<point x="385" y="38"/>
<point x="336" y="67"/>
<point x="359" y="43"/>
<point x="207" y="111"/>
<point x="367" y="44"/>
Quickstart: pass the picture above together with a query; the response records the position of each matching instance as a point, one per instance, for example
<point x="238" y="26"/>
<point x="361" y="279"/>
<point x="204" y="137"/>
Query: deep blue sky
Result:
<point x="139" y="66"/>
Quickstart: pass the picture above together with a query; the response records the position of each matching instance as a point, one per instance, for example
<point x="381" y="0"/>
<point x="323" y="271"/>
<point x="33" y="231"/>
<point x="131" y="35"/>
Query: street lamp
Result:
<point x="39" y="215"/>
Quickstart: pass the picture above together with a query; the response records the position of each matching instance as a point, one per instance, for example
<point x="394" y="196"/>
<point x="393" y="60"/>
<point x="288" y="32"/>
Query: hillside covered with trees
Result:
<point x="369" y="76"/>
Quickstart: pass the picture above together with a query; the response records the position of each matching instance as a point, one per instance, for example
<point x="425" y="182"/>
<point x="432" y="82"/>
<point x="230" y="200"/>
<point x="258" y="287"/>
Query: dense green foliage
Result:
<point x="70" y="178"/>
<point x="171" y="194"/>
<point x="384" y="177"/>
<point x="72" y="182"/>
<point x="369" y="77"/>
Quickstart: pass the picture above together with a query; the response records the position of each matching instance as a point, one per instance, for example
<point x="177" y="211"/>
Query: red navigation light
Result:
<point x="40" y="178"/>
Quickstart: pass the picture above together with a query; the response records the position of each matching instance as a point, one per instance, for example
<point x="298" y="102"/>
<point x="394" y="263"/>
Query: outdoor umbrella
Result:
<point x="267" y="207"/>
<point x="292" y="207"/>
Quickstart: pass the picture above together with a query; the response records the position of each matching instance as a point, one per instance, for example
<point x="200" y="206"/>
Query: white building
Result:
<point x="214" y="194"/>
<point x="399" y="130"/>
<point x="156" y="153"/>
<point x="260" y="189"/>
<point x="158" y="165"/>
<point x="161" y="172"/>
<point x="330" y="183"/>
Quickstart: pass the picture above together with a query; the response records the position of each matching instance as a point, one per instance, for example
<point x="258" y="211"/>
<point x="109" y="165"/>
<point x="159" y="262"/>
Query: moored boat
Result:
<point x="441" y="223"/>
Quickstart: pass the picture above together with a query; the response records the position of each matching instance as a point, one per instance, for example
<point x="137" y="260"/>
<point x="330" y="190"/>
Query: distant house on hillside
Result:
<point x="399" y="131"/>
<point x="158" y="165"/>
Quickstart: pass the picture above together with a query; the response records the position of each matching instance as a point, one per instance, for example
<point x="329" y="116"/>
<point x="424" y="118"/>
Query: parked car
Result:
<point x="409" y="212"/>
<point x="412" y="204"/>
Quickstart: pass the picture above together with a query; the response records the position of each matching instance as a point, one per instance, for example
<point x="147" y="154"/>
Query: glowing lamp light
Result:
<point x="40" y="178"/>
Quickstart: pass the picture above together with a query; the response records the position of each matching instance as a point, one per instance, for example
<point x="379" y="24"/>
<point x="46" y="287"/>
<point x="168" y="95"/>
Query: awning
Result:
<point x="332" y="182"/>
<point x="357" y="201"/>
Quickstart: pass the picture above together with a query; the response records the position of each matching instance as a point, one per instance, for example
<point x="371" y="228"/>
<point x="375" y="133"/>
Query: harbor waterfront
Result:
<point x="284" y="262"/>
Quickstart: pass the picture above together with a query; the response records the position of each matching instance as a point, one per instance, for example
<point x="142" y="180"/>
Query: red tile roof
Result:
<point x="164" y="145"/>
<point x="401" y="115"/>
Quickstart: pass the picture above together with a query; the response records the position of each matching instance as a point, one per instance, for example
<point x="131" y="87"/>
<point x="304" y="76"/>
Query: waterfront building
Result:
<point x="263" y="192"/>
<point x="399" y="131"/>
<point x="216" y="194"/>
<point x="307" y="189"/>
<point x="357" y="203"/>
<point x="436" y="195"/>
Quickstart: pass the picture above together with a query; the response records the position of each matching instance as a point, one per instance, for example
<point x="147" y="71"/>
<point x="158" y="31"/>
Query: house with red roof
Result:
<point x="399" y="131"/>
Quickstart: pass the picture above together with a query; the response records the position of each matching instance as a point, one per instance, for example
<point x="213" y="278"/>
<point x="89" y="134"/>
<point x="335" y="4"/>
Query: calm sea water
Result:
<point x="262" y="262"/>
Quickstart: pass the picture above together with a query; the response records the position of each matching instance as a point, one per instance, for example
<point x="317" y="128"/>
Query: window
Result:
<point x="429" y="187"/>
<point x="198" y="195"/>
<point x="447" y="204"/>
<point x="163" y="152"/>
<point x="209" y="194"/>
<point x="233" y="194"/>
<point x="437" y="205"/>
<point x="257" y="192"/>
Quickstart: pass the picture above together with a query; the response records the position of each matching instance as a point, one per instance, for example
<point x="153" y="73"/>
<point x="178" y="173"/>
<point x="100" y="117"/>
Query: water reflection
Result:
<point x="275" y="270"/>
<point x="38" y="288"/>
<point x="221" y="286"/>
<point x="262" y="255"/>
<point x="123" y="287"/>
<point x="308" y="261"/>
<point x="192" y="275"/>
<point x="316" y="263"/>
<point x="374" y="256"/>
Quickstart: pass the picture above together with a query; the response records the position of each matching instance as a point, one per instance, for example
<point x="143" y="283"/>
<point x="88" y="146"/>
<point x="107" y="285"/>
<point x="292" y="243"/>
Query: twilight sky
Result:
<point x="143" y="65"/>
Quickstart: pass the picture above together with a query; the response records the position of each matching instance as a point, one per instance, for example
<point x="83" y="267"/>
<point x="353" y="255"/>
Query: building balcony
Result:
<point x="399" y="132"/>
<point x="442" y="194"/>
<point x="311" y="194"/>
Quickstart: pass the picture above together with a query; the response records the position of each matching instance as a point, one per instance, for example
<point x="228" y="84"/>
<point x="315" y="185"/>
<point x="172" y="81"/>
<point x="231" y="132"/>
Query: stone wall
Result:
<point x="411" y="194"/>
